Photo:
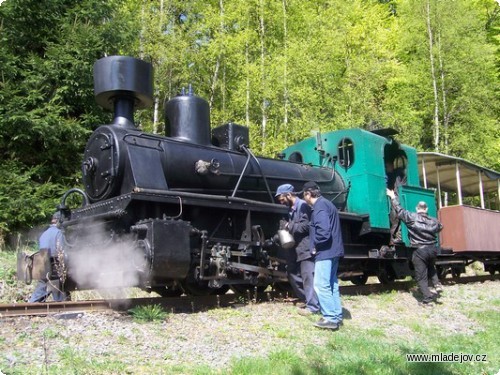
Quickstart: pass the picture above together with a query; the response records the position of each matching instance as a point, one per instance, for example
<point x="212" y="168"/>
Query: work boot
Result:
<point x="428" y="300"/>
<point x="438" y="287"/>
<point x="326" y="324"/>
<point x="306" y="312"/>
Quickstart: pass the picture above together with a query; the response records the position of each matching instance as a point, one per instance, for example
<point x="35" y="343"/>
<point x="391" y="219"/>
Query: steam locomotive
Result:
<point x="193" y="211"/>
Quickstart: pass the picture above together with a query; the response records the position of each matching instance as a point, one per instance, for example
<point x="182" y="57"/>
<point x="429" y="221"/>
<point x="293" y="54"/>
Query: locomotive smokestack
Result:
<point x="123" y="84"/>
<point x="187" y="118"/>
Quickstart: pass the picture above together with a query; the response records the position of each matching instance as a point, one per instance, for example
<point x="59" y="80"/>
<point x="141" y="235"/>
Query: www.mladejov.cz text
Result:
<point x="446" y="357"/>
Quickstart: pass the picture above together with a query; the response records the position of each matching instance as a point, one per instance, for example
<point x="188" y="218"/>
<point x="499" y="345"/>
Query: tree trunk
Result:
<point x="433" y="75"/>
<point x="219" y="58"/>
<point x="446" y="115"/>
<point x="285" y="72"/>
<point x="247" y="105"/>
<point x="263" y="74"/>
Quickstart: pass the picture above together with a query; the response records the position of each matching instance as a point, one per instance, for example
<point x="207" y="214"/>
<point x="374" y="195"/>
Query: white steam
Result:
<point x="96" y="262"/>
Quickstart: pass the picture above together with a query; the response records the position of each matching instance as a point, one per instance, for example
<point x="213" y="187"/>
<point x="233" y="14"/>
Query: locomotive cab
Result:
<point x="369" y="162"/>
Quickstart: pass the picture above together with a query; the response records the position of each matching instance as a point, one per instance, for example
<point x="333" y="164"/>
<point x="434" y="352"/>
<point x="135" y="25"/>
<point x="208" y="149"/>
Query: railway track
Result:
<point x="198" y="303"/>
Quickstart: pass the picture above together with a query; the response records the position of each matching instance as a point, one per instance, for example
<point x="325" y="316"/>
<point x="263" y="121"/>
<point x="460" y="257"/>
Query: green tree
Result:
<point x="449" y="78"/>
<point x="47" y="109"/>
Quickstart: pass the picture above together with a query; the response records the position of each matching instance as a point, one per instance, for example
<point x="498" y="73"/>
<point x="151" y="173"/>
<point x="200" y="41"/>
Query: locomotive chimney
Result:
<point x="187" y="118"/>
<point x="123" y="84"/>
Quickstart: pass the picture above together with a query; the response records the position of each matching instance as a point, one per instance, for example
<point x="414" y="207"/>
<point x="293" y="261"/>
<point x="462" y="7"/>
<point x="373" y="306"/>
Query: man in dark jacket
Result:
<point x="422" y="232"/>
<point x="326" y="243"/>
<point x="300" y="255"/>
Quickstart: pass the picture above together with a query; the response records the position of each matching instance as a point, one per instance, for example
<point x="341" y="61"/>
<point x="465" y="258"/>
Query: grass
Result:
<point x="349" y="352"/>
<point x="148" y="313"/>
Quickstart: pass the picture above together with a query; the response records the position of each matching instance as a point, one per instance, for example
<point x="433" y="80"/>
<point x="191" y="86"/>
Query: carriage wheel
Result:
<point x="456" y="272"/>
<point x="441" y="272"/>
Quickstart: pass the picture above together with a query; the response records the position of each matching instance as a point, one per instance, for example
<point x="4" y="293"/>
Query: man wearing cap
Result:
<point x="422" y="232"/>
<point x="52" y="240"/>
<point x="326" y="242"/>
<point x="300" y="255"/>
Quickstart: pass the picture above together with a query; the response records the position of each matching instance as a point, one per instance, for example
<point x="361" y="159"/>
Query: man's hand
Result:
<point x="390" y="193"/>
<point x="283" y="224"/>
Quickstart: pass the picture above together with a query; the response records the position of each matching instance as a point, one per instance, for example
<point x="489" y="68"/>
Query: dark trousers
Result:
<point x="395" y="226"/>
<point x="423" y="259"/>
<point x="293" y="274"/>
<point x="307" y="273"/>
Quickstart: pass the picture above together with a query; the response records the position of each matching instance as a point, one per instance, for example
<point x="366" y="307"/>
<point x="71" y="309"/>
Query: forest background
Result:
<point x="427" y="68"/>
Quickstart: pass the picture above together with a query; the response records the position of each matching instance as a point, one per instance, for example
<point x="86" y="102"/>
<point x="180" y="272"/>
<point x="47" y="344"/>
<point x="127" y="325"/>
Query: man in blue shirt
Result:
<point x="300" y="255"/>
<point x="327" y="245"/>
<point x="51" y="239"/>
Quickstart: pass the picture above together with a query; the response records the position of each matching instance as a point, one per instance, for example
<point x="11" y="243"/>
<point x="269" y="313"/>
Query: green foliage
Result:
<point x="282" y="68"/>
<point x="148" y="313"/>
<point x="47" y="108"/>
<point x="24" y="198"/>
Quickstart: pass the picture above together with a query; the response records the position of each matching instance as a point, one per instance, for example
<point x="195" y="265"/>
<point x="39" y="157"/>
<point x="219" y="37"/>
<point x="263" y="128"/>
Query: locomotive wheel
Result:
<point x="359" y="280"/>
<point x="196" y="288"/>
<point x="385" y="277"/>
<point x="164" y="292"/>
<point x="283" y="287"/>
<point x="220" y="291"/>
<point x="245" y="288"/>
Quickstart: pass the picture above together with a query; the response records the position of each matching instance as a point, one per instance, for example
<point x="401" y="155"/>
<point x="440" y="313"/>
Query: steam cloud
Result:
<point x="95" y="262"/>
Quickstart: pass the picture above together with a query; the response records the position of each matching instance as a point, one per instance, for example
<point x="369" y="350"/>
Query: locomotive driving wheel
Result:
<point x="164" y="292"/>
<point x="385" y="276"/>
<point x="246" y="288"/>
<point x="359" y="280"/>
<point x="283" y="286"/>
<point x="201" y="288"/>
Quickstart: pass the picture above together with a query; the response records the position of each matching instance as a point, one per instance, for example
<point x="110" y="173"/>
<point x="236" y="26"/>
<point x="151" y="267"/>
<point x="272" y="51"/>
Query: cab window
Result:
<point x="346" y="153"/>
<point x="296" y="157"/>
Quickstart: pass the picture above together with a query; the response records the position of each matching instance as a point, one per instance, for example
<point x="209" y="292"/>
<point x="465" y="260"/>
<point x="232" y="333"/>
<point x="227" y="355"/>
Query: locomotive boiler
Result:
<point x="189" y="211"/>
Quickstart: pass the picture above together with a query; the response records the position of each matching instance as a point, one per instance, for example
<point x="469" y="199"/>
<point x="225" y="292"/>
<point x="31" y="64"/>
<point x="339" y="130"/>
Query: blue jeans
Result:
<point x="326" y="286"/>
<point x="43" y="290"/>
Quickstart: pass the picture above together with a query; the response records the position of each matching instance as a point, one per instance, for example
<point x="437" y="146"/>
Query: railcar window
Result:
<point x="346" y="153"/>
<point x="296" y="157"/>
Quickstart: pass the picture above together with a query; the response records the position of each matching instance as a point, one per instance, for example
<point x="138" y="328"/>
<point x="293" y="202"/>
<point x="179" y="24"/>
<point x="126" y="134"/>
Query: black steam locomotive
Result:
<point x="192" y="211"/>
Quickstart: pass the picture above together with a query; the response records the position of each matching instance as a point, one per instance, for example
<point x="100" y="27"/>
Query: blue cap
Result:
<point x="283" y="189"/>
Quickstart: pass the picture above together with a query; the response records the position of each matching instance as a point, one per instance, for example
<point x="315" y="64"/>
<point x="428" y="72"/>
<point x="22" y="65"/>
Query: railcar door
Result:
<point x="409" y="196"/>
